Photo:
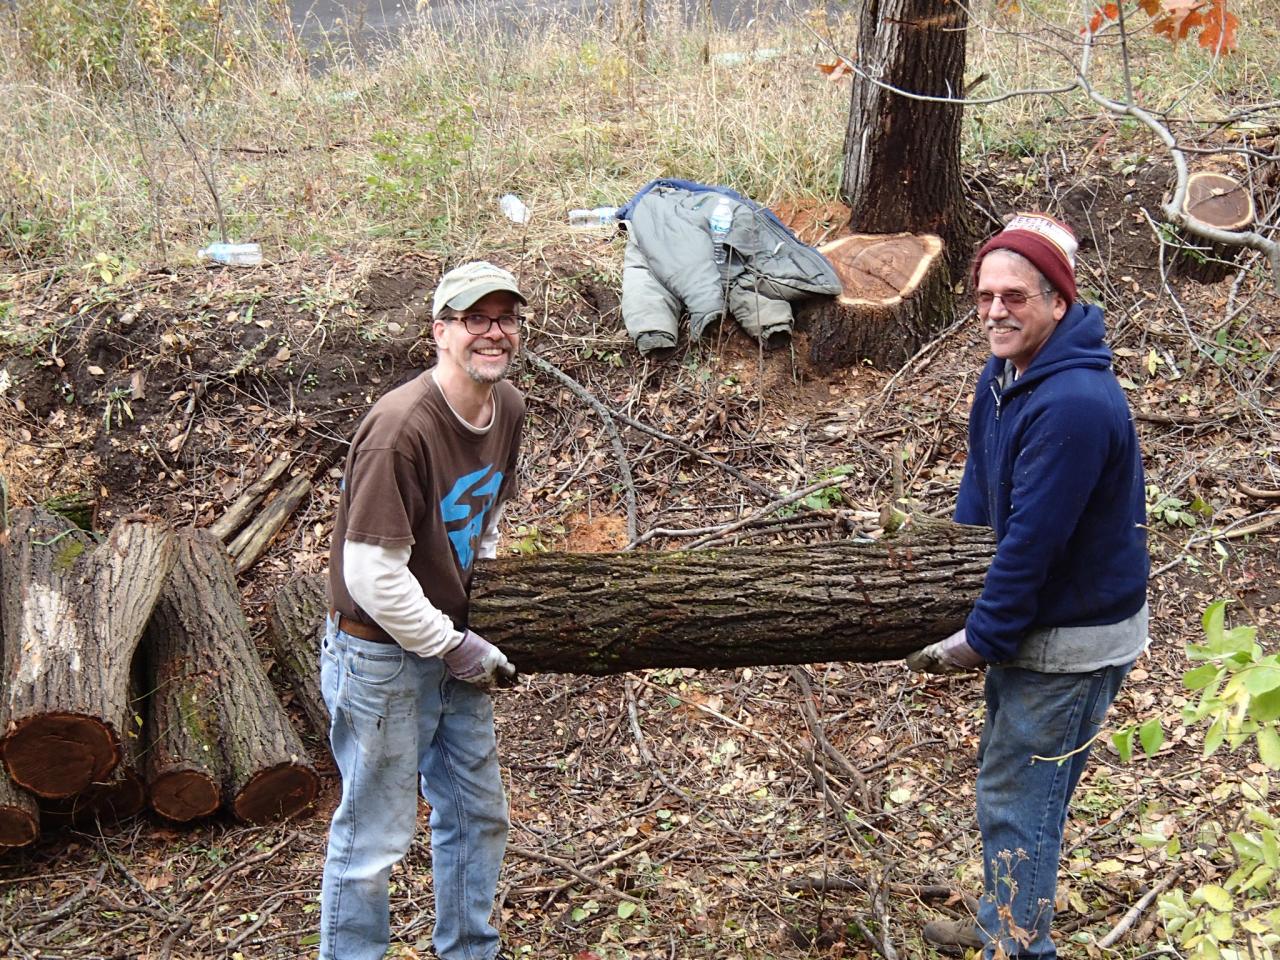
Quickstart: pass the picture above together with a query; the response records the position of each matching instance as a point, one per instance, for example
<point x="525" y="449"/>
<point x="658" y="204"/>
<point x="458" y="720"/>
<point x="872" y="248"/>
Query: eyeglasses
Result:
<point x="1012" y="299"/>
<point x="478" y="324"/>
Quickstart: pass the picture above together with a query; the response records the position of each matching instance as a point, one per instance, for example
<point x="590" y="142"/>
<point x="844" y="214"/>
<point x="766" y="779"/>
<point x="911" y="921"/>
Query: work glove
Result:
<point x="952" y="655"/>
<point x="477" y="661"/>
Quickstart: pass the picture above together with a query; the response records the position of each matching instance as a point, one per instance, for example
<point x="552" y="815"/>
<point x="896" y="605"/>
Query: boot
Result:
<point x="952" y="937"/>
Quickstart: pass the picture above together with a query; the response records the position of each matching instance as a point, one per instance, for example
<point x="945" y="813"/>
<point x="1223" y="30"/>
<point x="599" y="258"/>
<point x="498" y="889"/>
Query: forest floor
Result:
<point x="671" y="813"/>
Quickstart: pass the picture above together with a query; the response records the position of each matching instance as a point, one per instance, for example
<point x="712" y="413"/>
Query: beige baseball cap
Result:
<point x="462" y="286"/>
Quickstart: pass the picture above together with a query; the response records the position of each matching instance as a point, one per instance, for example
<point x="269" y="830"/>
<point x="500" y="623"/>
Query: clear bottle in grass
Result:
<point x="233" y="254"/>
<point x="596" y="217"/>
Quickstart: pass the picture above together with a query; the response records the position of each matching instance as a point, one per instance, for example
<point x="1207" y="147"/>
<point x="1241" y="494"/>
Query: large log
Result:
<point x="187" y="677"/>
<point x="225" y="701"/>
<point x="603" y="613"/>
<point x="73" y="612"/>
<point x="894" y="299"/>
<point x="297" y="619"/>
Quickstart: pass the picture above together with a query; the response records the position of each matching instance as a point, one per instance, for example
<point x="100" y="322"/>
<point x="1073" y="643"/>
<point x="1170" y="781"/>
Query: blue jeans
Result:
<point x="1022" y="802"/>
<point x="399" y="720"/>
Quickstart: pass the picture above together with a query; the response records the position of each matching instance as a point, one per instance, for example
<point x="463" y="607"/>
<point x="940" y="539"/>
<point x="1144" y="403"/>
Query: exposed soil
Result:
<point x="708" y="797"/>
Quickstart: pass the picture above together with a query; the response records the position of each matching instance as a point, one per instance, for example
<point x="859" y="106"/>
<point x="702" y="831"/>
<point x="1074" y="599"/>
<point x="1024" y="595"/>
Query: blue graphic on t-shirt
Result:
<point x="481" y="494"/>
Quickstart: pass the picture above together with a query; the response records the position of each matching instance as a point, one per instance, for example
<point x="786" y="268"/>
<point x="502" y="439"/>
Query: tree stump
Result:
<point x="72" y="614"/>
<point x="1216" y="200"/>
<point x="895" y="299"/>
<point x="123" y="794"/>
<point x="297" y="620"/>
<point x="217" y="716"/>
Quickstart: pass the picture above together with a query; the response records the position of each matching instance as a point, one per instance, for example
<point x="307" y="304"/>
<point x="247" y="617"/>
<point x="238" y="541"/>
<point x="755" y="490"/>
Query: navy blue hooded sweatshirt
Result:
<point x="1054" y="468"/>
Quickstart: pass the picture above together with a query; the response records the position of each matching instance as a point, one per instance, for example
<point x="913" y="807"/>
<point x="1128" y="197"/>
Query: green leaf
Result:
<point x="1263" y="676"/>
<point x="1265" y="707"/>
<point x="626" y="908"/>
<point x="1212" y="621"/>
<point x="1217" y="733"/>
<point x="311" y="940"/>
<point x="1269" y="747"/>
<point x="1200" y="677"/>
<point x="1214" y="895"/>
<point x="1151" y="734"/>
<point x="1123" y="742"/>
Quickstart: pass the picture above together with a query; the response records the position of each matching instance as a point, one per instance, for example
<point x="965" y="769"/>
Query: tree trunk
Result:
<point x="902" y="155"/>
<point x="297" y="617"/>
<point x="72" y="613"/>
<point x="604" y="613"/>
<point x="223" y="696"/>
<point x="894" y="289"/>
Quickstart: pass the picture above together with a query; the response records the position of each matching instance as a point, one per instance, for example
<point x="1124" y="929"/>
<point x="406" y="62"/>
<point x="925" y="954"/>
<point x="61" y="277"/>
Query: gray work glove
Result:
<point x="952" y="655"/>
<point x="477" y="661"/>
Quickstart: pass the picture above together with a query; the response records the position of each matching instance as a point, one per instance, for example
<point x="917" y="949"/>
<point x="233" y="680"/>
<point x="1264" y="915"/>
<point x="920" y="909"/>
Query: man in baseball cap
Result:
<point x="406" y="680"/>
<point x="463" y="286"/>
<point x="1054" y="468"/>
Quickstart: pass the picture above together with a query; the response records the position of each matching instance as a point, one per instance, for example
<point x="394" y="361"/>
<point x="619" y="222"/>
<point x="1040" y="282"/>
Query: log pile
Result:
<point x="79" y="621"/>
<point x="894" y="299"/>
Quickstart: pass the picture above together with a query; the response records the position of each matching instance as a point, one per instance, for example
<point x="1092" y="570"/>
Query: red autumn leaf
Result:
<point x="1179" y="17"/>
<point x="1219" y="31"/>
<point x="1108" y="12"/>
<point x="1149" y="7"/>
<point x="836" y="70"/>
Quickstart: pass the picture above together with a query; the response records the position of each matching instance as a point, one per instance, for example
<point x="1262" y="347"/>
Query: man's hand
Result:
<point x="952" y="655"/>
<point x="477" y="661"/>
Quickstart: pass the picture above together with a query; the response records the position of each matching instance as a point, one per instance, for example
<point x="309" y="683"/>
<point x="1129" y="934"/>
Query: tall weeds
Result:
<point x="110" y="146"/>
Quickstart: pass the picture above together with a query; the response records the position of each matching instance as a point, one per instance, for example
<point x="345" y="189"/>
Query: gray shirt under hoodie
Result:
<point x="1080" y="649"/>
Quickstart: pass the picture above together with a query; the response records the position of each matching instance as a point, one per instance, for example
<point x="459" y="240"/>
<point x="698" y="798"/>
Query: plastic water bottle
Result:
<point x="598" y="217"/>
<point x="233" y="254"/>
<point x="720" y="220"/>
<point x="514" y="209"/>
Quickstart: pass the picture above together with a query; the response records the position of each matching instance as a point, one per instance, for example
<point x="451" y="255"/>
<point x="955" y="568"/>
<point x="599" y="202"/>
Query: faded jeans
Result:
<point x="1022" y="802"/>
<point x="400" y="721"/>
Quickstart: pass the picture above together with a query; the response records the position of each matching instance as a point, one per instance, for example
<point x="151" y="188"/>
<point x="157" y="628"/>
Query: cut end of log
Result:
<point x="184" y="795"/>
<point x="18" y="827"/>
<point x="57" y="755"/>
<point x="1218" y="200"/>
<point x="109" y="801"/>
<point x="881" y="269"/>
<point x="277" y="793"/>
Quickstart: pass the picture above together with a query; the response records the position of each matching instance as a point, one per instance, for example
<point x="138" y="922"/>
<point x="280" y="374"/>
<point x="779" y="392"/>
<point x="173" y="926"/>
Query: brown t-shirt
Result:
<point x="416" y="475"/>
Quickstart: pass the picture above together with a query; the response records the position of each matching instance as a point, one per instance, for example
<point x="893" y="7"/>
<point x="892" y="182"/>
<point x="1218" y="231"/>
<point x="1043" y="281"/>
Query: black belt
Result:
<point x="365" y="631"/>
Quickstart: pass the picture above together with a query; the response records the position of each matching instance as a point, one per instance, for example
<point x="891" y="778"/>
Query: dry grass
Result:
<point x="417" y="145"/>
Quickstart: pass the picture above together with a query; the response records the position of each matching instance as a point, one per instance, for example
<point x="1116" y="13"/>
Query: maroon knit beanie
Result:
<point x="1046" y="242"/>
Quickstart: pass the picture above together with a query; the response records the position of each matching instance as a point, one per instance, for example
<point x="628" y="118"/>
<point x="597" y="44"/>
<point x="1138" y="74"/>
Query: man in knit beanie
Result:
<point x="1054" y="468"/>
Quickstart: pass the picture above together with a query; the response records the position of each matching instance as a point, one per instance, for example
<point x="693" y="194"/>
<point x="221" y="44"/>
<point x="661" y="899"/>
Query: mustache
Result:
<point x="1012" y="325"/>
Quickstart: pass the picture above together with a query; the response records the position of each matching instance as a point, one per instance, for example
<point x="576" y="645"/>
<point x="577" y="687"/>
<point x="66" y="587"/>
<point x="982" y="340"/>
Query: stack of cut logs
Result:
<point x="129" y="677"/>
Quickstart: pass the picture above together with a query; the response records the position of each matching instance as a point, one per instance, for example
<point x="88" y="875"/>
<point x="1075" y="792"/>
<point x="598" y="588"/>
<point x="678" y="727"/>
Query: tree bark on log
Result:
<point x="902" y="155"/>
<point x="267" y="775"/>
<point x="895" y="298"/>
<point x="604" y="613"/>
<point x="297" y="618"/>
<point x="1219" y="201"/>
<point x="73" y="613"/>
<point x="188" y="674"/>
